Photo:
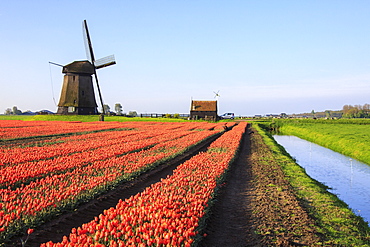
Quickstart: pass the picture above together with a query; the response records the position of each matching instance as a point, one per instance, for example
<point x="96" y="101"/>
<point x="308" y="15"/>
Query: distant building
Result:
<point x="204" y="109"/>
<point x="273" y="115"/>
<point x="44" y="112"/>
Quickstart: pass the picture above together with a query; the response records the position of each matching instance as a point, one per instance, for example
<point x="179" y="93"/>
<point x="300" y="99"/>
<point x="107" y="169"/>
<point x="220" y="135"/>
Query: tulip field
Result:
<point x="48" y="167"/>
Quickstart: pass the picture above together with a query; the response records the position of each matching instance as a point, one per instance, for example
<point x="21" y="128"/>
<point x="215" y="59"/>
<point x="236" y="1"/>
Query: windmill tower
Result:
<point x="77" y="95"/>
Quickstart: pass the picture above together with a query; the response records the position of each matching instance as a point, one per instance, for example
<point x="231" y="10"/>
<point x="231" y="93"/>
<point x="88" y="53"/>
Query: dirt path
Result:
<point x="257" y="207"/>
<point x="231" y="222"/>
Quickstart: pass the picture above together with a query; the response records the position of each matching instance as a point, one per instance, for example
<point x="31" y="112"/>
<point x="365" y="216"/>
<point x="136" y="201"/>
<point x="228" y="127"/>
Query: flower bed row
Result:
<point x="15" y="129"/>
<point x="168" y="213"/>
<point x="20" y="164"/>
<point x="28" y="204"/>
<point x="80" y="143"/>
<point x="14" y="173"/>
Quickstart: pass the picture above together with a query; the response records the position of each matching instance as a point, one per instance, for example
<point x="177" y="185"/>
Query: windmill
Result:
<point x="217" y="94"/>
<point x="77" y="95"/>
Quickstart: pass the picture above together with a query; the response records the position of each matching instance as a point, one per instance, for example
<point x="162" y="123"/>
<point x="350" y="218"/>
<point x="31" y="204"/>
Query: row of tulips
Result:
<point x="26" y="204"/>
<point x="168" y="213"/>
<point x="19" y="164"/>
<point x="80" y="143"/>
<point x="62" y="146"/>
<point x="148" y="127"/>
<point x="15" y="129"/>
<point x="19" y="172"/>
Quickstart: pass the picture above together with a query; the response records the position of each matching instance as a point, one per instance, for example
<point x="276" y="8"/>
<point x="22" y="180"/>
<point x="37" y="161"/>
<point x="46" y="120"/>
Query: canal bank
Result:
<point x="333" y="219"/>
<point x="347" y="178"/>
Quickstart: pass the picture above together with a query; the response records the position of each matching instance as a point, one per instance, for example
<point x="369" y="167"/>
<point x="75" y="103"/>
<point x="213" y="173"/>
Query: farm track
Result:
<point x="62" y="225"/>
<point x="231" y="222"/>
<point x="257" y="206"/>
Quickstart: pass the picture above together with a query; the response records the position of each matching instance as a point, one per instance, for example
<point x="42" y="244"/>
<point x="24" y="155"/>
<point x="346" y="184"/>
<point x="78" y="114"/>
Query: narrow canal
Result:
<point x="349" y="179"/>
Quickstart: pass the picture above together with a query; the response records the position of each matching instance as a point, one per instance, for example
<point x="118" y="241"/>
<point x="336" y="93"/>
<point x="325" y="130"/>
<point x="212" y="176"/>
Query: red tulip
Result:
<point x="59" y="172"/>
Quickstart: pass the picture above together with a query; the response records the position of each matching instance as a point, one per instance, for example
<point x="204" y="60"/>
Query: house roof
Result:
<point x="203" y="105"/>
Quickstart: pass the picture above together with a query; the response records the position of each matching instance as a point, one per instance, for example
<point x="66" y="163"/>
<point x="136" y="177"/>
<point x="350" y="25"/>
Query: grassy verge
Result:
<point x="338" y="225"/>
<point x="15" y="117"/>
<point x="349" y="139"/>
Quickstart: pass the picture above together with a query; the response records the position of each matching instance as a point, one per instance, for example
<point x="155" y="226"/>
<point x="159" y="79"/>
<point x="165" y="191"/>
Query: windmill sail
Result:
<point x="100" y="63"/>
<point x="88" y="44"/>
<point x="217" y="94"/>
<point x="90" y="55"/>
<point x="105" y="61"/>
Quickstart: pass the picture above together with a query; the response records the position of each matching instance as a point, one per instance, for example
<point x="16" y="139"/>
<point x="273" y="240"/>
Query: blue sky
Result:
<point x="263" y="56"/>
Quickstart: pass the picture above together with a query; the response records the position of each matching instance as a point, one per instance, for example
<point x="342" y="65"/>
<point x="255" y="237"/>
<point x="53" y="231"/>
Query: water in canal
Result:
<point x="348" y="178"/>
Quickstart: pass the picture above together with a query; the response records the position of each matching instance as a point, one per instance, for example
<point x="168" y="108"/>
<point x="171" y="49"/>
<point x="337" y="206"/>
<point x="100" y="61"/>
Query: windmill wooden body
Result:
<point x="77" y="95"/>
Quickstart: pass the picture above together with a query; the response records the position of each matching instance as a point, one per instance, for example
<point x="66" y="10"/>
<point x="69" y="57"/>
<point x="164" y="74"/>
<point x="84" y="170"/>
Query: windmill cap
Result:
<point x="79" y="67"/>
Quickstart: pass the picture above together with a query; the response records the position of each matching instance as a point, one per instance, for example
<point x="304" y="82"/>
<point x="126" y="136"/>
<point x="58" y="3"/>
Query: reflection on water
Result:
<point x="348" y="178"/>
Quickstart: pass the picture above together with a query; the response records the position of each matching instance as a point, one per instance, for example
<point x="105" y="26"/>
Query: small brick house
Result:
<point x="204" y="109"/>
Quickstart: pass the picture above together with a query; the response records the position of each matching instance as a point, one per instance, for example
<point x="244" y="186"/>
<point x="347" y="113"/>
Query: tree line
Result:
<point x="13" y="111"/>
<point x="356" y="111"/>
<point x="348" y="111"/>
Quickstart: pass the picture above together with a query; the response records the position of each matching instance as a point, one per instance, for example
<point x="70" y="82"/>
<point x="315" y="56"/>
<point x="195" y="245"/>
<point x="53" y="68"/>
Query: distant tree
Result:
<point x="16" y="111"/>
<point x="356" y="111"/>
<point x="366" y="109"/>
<point x="328" y="113"/>
<point x="132" y="113"/>
<point x="106" y="108"/>
<point x="313" y="113"/>
<point x="118" y="108"/>
<point x="8" y="111"/>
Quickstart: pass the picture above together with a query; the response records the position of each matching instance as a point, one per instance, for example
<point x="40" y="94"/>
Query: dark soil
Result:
<point x="231" y="222"/>
<point x="255" y="207"/>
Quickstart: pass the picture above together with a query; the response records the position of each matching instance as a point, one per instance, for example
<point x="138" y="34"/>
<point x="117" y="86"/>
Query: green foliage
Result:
<point x="356" y="111"/>
<point x="335" y="221"/>
<point x="132" y="114"/>
<point x="300" y="121"/>
<point x="218" y="150"/>
<point x="118" y="108"/>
